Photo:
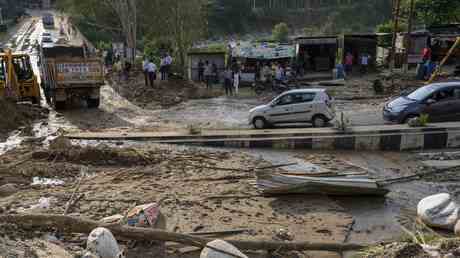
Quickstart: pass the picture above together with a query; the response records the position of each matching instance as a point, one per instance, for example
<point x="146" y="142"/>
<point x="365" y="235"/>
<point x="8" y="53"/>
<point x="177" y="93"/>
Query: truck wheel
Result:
<point x="35" y="100"/>
<point x="93" y="103"/>
<point x="319" y="121"/>
<point x="59" y="105"/>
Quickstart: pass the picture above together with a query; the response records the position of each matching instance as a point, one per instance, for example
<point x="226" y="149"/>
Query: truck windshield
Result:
<point x="422" y="93"/>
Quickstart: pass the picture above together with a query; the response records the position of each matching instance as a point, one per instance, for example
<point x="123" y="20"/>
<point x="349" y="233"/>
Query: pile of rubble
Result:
<point x="14" y="115"/>
<point x="202" y="193"/>
<point x="163" y="95"/>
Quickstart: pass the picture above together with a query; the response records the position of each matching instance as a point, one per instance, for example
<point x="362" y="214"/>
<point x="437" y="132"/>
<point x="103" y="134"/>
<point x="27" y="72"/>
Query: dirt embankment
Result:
<point x="13" y="116"/>
<point x="163" y="94"/>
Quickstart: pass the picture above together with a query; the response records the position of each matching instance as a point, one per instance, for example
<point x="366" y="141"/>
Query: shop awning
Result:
<point x="317" y="41"/>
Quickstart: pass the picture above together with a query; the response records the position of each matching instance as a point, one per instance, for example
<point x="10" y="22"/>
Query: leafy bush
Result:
<point x="281" y="32"/>
<point x="420" y="121"/>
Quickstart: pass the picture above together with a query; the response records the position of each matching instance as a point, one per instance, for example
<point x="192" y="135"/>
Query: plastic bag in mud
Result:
<point x="221" y="249"/>
<point x="102" y="244"/>
<point x="439" y="211"/>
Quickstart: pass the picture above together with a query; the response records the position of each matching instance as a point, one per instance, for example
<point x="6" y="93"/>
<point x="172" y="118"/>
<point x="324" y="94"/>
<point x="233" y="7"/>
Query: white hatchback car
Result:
<point x="313" y="106"/>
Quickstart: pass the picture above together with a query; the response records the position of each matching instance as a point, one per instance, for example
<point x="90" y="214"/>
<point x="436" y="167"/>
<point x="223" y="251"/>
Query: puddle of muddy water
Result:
<point x="13" y="140"/>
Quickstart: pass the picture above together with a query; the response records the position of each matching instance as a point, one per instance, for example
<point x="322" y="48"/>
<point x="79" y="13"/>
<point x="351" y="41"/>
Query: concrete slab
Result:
<point x="441" y="164"/>
<point x="453" y="139"/>
<point x="371" y="143"/>
<point x="412" y="141"/>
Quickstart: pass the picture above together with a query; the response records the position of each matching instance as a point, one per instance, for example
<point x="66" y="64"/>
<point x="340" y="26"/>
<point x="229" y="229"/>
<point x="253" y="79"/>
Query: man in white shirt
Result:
<point x="364" y="63"/>
<point x="168" y="61"/>
<point x="152" y="71"/>
<point x="145" y="67"/>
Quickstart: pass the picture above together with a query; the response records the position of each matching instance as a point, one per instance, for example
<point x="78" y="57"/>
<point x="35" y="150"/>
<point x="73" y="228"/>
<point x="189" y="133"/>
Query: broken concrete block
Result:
<point x="60" y="143"/>
<point x="221" y="249"/>
<point x="103" y="244"/>
<point x="439" y="211"/>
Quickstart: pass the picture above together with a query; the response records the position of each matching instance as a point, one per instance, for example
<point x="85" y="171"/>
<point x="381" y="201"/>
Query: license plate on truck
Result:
<point x="79" y="72"/>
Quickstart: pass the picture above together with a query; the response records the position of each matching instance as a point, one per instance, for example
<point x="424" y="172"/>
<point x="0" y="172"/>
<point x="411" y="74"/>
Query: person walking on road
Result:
<point x="208" y="75"/>
<point x="168" y="63"/>
<point x="145" y="69"/>
<point x="152" y="72"/>
<point x="163" y="68"/>
<point x="228" y="74"/>
<point x="201" y="71"/>
<point x="349" y="63"/>
<point x="236" y="81"/>
<point x="215" y="73"/>
<point x="364" y="63"/>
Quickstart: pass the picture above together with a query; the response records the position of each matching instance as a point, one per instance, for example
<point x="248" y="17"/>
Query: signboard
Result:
<point x="79" y="72"/>
<point x="317" y="41"/>
<point x="248" y="77"/>
<point x="263" y="51"/>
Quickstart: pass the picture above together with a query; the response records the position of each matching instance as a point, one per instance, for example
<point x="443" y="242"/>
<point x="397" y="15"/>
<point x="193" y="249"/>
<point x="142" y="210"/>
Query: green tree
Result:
<point x="229" y="16"/>
<point x="280" y="32"/>
<point x="432" y="12"/>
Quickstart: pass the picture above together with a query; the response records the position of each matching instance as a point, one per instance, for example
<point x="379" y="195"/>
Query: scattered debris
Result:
<point x="290" y="184"/>
<point x="46" y="181"/>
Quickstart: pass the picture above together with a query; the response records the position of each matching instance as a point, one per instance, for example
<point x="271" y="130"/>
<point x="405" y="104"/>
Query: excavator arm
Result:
<point x="444" y="60"/>
<point x="11" y="80"/>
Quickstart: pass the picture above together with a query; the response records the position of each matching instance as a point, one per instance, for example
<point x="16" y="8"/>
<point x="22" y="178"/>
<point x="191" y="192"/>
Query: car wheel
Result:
<point x="408" y="118"/>
<point x="259" y="123"/>
<point x="319" y="121"/>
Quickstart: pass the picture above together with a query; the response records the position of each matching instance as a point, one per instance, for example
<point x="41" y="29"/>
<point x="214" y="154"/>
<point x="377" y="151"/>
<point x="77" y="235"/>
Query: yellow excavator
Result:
<point x="17" y="78"/>
<point x="444" y="60"/>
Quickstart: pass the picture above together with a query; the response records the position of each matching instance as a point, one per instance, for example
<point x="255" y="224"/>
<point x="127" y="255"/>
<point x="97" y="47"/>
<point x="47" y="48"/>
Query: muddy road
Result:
<point x="119" y="113"/>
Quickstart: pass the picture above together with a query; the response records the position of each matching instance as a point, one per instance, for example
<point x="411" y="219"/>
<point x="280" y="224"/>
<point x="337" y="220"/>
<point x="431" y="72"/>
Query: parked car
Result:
<point x="313" y="106"/>
<point x="440" y="101"/>
<point x="47" y="39"/>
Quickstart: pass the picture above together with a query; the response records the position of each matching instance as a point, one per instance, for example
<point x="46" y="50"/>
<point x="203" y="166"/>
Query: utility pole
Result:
<point x="396" y="7"/>
<point x="409" y="32"/>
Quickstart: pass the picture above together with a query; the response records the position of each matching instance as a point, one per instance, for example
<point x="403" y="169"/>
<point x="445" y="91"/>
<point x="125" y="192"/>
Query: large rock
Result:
<point x="212" y="250"/>
<point x="457" y="229"/>
<point x="102" y="244"/>
<point x="61" y="143"/>
<point x="439" y="211"/>
<point x="8" y="189"/>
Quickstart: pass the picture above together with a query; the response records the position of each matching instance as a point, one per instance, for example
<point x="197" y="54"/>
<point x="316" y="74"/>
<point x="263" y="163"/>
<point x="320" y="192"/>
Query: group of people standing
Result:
<point x="364" y="62"/>
<point x="209" y="73"/>
<point x="150" y="69"/>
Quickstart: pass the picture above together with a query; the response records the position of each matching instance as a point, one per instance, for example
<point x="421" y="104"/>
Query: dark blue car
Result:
<point x="441" y="101"/>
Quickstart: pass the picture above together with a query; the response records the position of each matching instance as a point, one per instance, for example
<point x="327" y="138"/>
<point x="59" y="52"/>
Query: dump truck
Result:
<point x="68" y="73"/>
<point x="17" y="78"/>
<point x="48" y="21"/>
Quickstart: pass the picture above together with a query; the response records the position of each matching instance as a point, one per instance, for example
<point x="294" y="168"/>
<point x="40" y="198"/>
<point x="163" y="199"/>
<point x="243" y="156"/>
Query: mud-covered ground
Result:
<point x="194" y="195"/>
